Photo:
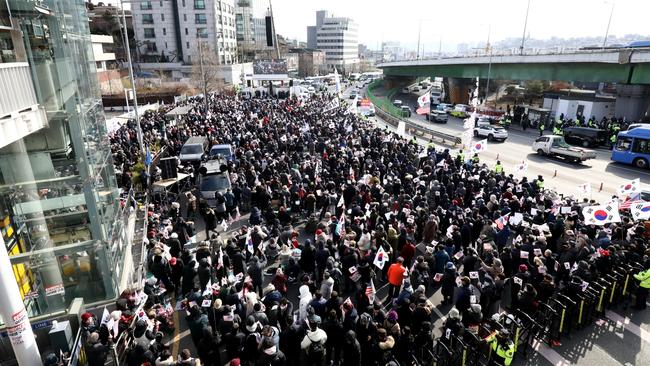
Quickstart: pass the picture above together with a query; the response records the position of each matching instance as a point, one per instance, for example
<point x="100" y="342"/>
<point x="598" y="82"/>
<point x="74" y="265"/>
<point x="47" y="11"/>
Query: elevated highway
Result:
<point x="624" y="65"/>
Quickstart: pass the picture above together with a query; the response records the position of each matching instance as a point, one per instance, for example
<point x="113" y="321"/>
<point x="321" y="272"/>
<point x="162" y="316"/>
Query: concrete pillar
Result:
<point x="632" y="101"/>
<point x="458" y="88"/>
<point x="14" y="314"/>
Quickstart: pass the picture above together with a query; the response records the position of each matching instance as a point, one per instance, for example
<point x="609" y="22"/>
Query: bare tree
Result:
<point x="205" y="70"/>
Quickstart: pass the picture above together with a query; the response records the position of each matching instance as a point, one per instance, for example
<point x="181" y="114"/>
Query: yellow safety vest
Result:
<point x="644" y="277"/>
<point x="498" y="168"/>
<point x="505" y="353"/>
<point x="461" y="156"/>
<point x="540" y="184"/>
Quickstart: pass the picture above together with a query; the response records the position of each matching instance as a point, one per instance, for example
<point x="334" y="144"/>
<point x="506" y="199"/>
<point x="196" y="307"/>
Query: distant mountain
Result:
<point x="578" y="42"/>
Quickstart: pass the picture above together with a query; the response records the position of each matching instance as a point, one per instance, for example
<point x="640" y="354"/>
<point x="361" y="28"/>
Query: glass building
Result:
<point x="60" y="213"/>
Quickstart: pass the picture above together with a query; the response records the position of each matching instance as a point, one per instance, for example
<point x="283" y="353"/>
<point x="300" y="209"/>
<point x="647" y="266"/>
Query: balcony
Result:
<point x="20" y="114"/>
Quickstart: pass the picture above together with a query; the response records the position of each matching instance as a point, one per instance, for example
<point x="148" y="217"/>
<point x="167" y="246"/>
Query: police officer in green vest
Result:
<point x="431" y="146"/>
<point x="541" y="128"/>
<point x="475" y="159"/>
<point x="498" y="168"/>
<point x="460" y="158"/>
<point x="612" y="140"/>
<point x="503" y="349"/>
<point x="644" y="286"/>
<point x="540" y="183"/>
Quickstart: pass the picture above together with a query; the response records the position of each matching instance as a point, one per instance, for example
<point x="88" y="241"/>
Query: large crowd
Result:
<point x="335" y="208"/>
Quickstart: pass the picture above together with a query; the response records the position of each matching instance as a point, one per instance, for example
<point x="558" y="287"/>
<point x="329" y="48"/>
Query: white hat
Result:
<point x="174" y="236"/>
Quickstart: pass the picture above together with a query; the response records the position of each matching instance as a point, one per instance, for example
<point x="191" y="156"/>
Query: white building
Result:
<point x="168" y="33"/>
<point x="338" y="38"/>
<point x="575" y="103"/>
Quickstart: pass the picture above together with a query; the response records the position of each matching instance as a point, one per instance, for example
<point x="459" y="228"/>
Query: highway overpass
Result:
<point x="624" y="66"/>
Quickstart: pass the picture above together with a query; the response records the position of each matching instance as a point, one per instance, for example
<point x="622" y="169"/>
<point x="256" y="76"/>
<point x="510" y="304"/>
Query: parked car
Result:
<point x="406" y="111"/>
<point x="223" y="150"/>
<point x="460" y="111"/>
<point x="585" y="137"/>
<point x="405" y="91"/>
<point x="194" y="149"/>
<point x="491" y="132"/>
<point x="397" y="103"/>
<point x="444" y="107"/>
<point x="437" y="116"/>
<point x="553" y="145"/>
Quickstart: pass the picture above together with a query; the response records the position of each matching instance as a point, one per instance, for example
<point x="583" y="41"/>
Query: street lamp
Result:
<point x="611" y="12"/>
<point x="132" y="79"/>
<point x="523" y="37"/>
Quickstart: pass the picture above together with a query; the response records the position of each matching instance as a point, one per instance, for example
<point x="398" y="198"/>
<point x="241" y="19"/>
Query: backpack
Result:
<point x="315" y="351"/>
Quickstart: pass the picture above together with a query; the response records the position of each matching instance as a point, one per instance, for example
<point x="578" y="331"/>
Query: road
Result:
<point x="620" y="338"/>
<point x="558" y="174"/>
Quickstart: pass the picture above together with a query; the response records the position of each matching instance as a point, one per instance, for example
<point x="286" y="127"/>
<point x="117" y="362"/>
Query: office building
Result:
<point x="338" y="38"/>
<point x="169" y="33"/>
<point x="250" y="20"/>
<point x="391" y="51"/>
<point x="60" y="214"/>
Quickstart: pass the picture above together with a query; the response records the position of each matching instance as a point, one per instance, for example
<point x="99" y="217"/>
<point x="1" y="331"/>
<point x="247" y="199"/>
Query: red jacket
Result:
<point x="396" y="274"/>
<point x="408" y="252"/>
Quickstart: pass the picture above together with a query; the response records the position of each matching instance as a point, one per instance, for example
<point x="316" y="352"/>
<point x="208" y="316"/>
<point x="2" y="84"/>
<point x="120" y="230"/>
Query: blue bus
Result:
<point x="633" y="147"/>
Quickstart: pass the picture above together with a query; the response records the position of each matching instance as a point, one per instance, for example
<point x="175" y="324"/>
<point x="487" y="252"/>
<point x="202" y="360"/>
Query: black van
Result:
<point x="585" y="137"/>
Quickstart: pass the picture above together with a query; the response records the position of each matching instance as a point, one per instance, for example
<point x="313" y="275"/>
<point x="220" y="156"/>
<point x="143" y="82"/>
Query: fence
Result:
<point x="386" y="111"/>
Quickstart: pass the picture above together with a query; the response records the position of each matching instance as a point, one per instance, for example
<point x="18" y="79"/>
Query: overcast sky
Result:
<point x="458" y="21"/>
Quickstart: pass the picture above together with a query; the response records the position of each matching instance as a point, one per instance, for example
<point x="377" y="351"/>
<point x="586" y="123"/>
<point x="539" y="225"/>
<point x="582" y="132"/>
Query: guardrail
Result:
<point x="412" y="128"/>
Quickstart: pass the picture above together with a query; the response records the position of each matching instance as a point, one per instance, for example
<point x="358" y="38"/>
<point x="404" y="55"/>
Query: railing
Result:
<point x="414" y="129"/>
<point x="16" y="88"/>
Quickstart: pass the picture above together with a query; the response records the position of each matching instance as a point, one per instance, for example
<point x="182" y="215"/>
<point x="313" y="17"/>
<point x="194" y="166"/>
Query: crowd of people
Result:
<point x="334" y="209"/>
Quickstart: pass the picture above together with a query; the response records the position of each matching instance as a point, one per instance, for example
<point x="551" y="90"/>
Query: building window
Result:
<point x="151" y="47"/>
<point x="183" y="3"/>
<point x="186" y="32"/>
<point x="166" y="45"/>
<point x="164" y="31"/>
<point x="147" y="18"/>
<point x="187" y="44"/>
<point x="185" y="17"/>
<point x="149" y="33"/>
<point x="200" y="19"/>
<point x="162" y="17"/>
<point x="202" y="32"/>
<point x="145" y="5"/>
<point x="199" y="4"/>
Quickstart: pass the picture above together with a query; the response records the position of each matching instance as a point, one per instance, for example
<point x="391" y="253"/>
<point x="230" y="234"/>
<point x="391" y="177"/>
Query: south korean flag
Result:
<point x="601" y="214"/>
<point x="640" y="211"/>
<point x="630" y="187"/>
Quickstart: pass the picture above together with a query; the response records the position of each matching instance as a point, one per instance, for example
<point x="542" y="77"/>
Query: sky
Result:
<point x="466" y="21"/>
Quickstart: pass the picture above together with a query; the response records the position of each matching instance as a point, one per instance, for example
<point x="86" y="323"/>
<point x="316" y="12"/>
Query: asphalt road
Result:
<point x="558" y="174"/>
<point x="620" y="338"/>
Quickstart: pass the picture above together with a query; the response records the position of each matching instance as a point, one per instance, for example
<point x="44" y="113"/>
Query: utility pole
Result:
<point x="608" y="23"/>
<point x="14" y="314"/>
<point x="132" y="78"/>
<point x="487" y="84"/>
<point x="205" y="82"/>
<point x="275" y="35"/>
<point x="523" y="37"/>
<point x="417" y="56"/>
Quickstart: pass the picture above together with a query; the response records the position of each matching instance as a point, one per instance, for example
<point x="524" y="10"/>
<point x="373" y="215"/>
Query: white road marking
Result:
<point x="628" y="325"/>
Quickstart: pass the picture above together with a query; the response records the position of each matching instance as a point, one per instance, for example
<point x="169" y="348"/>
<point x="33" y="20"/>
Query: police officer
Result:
<point x="540" y="183"/>
<point x="503" y="349"/>
<point x="498" y="168"/>
<point x="541" y="128"/>
<point x="475" y="159"/>
<point x="612" y="140"/>
<point x="460" y="158"/>
<point x="644" y="286"/>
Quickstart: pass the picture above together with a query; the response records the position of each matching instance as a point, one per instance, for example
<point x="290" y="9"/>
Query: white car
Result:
<point x="491" y="132"/>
